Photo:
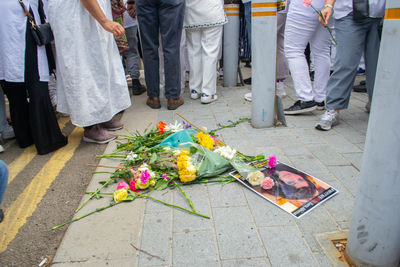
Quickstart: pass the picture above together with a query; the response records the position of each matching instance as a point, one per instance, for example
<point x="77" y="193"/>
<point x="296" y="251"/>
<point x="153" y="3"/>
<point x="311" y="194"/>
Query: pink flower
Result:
<point x="122" y="185"/>
<point x="144" y="177"/>
<point x="268" y="183"/>
<point x="272" y="162"/>
<point x="306" y="3"/>
<point x="166" y="177"/>
<point x="132" y="186"/>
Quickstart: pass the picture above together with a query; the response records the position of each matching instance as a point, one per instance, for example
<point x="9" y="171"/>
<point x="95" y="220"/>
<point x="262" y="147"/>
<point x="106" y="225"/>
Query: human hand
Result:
<point x="326" y="13"/>
<point x="114" y="28"/>
<point x="132" y="10"/>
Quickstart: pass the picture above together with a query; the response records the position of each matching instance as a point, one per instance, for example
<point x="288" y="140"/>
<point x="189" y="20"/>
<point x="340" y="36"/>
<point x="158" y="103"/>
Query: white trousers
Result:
<point x="298" y="33"/>
<point x="203" y="47"/>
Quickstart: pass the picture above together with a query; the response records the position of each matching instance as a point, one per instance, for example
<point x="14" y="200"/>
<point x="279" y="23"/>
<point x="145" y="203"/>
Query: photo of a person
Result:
<point x="291" y="185"/>
<point x="294" y="191"/>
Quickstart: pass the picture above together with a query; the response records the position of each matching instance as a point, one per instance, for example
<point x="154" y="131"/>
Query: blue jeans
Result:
<point x="3" y="179"/>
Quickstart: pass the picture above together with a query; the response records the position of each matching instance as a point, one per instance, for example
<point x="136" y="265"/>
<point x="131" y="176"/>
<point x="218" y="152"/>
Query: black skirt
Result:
<point x="32" y="114"/>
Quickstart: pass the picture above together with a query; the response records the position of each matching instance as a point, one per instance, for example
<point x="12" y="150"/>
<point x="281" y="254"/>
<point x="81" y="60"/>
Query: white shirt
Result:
<point x="345" y="7"/>
<point x="12" y="41"/>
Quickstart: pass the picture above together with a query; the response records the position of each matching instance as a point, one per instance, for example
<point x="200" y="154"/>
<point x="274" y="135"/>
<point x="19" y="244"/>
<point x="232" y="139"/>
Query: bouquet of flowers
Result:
<point x="172" y="156"/>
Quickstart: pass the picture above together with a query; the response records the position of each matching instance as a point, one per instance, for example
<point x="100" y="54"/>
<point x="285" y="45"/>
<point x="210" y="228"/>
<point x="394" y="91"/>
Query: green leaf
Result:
<point x="153" y="158"/>
<point x="161" y="184"/>
<point x="193" y="150"/>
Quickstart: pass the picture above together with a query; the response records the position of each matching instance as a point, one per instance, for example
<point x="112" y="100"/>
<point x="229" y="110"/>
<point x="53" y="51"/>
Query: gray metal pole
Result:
<point x="231" y="45"/>
<point x="374" y="237"/>
<point x="263" y="60"/>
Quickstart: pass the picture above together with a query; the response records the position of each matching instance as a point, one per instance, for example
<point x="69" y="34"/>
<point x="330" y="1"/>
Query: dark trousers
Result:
<point x="164" y="17"/>
<point x="32" y="114"/>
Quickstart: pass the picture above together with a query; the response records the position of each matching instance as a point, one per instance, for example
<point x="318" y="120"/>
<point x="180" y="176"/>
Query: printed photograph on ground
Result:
<point x="292" y="190"/>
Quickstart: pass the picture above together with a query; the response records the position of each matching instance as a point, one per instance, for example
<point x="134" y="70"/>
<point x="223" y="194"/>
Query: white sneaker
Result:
<point x="206" y="99"/>
<point x="280" y="89"/>
<point x="329" y="119"/>
<point x="1" y="148"/>
<point x="8" y="132"/>
<point x="248" y="97"/>
<point x="194" y="94"/>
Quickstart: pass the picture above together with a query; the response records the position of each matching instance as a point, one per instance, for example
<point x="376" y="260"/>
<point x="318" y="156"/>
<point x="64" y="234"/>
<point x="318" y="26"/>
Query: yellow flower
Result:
<point x="152" y="182"/>
<point x="139" y="184"/>
<point x="205" y="140"/>
<point x="186" y="169"/>
<point x="120" y="195"/>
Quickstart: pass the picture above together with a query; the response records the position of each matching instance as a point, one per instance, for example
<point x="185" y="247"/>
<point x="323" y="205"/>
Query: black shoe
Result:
<point x="361" y="88"/>
<point x="1" y="215"/>
<point x="247" y="81"/>
<point x="320" y="105"/>
<point x="301" y="107"/>
<point x="137" y="87"/>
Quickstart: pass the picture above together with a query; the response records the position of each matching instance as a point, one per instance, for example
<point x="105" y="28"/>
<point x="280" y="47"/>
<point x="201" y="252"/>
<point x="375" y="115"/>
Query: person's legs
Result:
<point x="210" y="43"/>
<point x="247" y="18"/>
<point x="282" y="67"/>
<point x="147" y="15"/>
<point x="171" y="22"/>
<point x="19" y="112"/>
<point x="297" y="35"/>
<point x="320" y="47"/>
<point x="350" y="37"/>
<point x="6" y="131"/>
<point x="132" y="56"/>
<point x="195" y="62"/>
<point x="45" y="130"/>
<point x="371" y="55"/>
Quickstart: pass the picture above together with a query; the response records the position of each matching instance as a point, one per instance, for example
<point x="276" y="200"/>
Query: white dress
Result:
<point x="12" y="42"/>
<point x="91" y="83"/>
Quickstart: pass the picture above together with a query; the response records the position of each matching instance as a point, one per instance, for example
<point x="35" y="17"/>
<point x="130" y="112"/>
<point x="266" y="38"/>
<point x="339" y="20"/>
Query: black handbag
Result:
<point x="42" y="34"/>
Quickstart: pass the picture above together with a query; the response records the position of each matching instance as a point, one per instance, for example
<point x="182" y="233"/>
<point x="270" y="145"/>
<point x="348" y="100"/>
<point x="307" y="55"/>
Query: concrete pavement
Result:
<point x="244" y="229"/>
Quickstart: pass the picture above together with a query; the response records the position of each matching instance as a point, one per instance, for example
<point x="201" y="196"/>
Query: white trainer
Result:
<point x="329" y="119"/>
<point x="248" y="97"/>
<point x="194" y="94"/>
<point x="206" y="99"/>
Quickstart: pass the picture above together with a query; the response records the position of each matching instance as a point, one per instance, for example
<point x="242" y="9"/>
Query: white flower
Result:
<point x="176" y="127"/>
<point x="255" y="178"/>
<point x="226" y="152"/>
<point x="131" y="156"/>
<point x="166" y="148"/>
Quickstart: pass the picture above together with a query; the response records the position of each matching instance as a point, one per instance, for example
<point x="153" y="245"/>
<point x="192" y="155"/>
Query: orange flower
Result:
<point x="161" y="127"/>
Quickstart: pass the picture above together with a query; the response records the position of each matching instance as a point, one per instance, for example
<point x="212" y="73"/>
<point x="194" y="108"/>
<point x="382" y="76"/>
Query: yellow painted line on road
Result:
<point x="22" y="208"/>
<point x="27" y="155"/>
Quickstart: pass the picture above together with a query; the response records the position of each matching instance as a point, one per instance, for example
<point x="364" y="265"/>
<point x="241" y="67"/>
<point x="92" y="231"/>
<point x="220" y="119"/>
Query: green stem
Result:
<point x="83" y="216"/>
<point x="183" y="193"/>
<point x="97" y="191"/>
<point x="171" y="205"/>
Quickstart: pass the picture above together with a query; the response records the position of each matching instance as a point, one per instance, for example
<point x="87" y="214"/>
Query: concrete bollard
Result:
<point x="263" y="71"/>
<point x="374" y="237"/>
<point x="231" y="44"/>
